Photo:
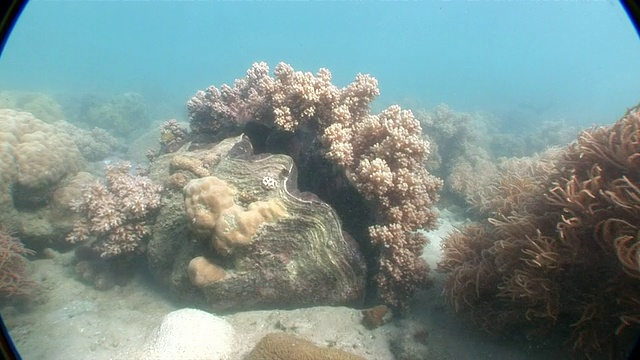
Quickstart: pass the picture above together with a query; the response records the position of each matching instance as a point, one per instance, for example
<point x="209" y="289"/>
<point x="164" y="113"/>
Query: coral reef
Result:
<point x="42" y="106"/>
<point x="559" y="246"/>
<point x="282" y="346"/>
<point x="95" y="144"/>
<point x="457" y="153"/>
<point x="122" y="114"/>
<point x="451" y="135"/>
<point x="469" y="177"/>
<point x="527" y="142"/>
<point x="117" y="213"/>
<point x="382" y="155"/>
<point x="14" y="282"/>
<point x="228" y="242"/>
<point x="466" y="149"/>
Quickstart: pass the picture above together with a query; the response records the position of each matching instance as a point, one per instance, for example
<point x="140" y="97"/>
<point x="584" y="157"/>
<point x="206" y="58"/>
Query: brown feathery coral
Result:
<point x="383" y="155"/>
<point x="13" y="280"/>
<point x="560" y="247"/>
<point x="116" y="213"/>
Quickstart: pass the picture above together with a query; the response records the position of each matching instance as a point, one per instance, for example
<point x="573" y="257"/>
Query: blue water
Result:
<point x="578" y="61"/>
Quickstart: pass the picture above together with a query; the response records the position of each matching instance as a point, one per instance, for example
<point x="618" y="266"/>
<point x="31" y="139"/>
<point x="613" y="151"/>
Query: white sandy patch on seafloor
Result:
<point x="75" y="321"/>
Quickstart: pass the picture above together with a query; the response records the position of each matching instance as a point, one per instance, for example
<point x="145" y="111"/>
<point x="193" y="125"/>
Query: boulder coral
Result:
<point x="187" y="334"/>
<point x="42" y="106"/>
<point x="36" y="157"/>
<point x="37" y="160"/>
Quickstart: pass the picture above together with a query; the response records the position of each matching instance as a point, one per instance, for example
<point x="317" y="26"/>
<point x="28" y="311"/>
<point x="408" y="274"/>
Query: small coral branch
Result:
<point x="13" y="280"/>
<point x="117" y="213"/>
<point x="172" y="136"/>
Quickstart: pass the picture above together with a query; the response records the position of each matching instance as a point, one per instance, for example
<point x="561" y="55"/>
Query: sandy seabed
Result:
<point x="75" y="321"/>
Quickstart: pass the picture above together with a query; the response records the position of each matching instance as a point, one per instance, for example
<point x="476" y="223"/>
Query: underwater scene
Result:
<point x="320" y="180"/>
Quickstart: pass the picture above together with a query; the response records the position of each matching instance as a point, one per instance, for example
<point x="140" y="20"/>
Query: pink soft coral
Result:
<point x="116" y="213"/>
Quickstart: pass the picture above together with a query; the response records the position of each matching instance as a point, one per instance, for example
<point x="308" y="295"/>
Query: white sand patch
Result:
<point x="447" y="222"/>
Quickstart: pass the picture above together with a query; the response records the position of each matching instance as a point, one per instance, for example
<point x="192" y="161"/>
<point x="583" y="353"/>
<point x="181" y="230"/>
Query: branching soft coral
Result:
<point x="116" y="213"/>
<point x="383" y="155"/>
<point x="560" y="247"/>
<point x="13" y="280"/>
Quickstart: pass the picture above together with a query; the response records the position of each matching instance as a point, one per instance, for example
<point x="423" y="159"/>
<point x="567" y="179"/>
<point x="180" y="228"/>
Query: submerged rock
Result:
<point x="237" y="234"/>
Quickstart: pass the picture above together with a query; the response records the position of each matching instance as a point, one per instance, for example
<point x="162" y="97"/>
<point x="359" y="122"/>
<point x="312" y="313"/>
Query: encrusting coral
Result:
<point x="116" y="213"/>
<point x="382" y="155"/>
<point x="560" y="244"/>
<point x="210" y="205"/>
<point x="283" y="346"/>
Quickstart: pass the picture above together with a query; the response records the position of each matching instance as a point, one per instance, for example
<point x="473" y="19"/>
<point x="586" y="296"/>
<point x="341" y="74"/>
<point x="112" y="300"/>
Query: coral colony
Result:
<point x="383" y="154"/>
<point x="559" y="243"/>
<point x="13" y="279"/>
<point x="116" y="213"/>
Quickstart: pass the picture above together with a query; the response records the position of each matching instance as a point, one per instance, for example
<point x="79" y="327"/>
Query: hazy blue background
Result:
<point x="525" y="60"/>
